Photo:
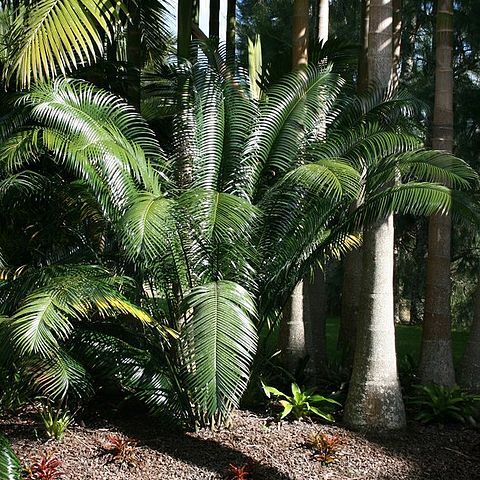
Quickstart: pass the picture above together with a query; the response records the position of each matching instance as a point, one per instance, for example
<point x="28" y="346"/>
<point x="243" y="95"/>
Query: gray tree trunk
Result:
<point x="314" y="295"/>
<point x="436" y="360"/>
<point x="374" y="399"/>
<point x="296" y="311"/>
<point x="184" y="27"/>
<point x="231" y="29"/>
<point x="292" y="329"/>
<point x="352" y="263"/>
<point x="470" y="371"/>
<point x="323" y="20"/>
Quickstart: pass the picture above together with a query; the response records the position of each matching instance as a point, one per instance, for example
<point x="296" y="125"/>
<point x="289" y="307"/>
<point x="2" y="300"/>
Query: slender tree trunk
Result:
<point x="315" y="321"/>
<point x="292" y="329"/>
<point x="374" y="399"/>
<point x="352" y="263"/>
<point x="323" y="20"/>
<point x="184" y="27"/>
<point x="436" y="361"/>
<point x="134" y="58"/>
<point x="300" y="33"/>
<point x="397" y="41"/>
<point x="363" y="80"/>
<point x="214" y="19"/>
<point x="352" y="282"/>
<point x="296" y="311"/>
<point x="231" y="29"/>
<point x="470" y="371"/>
<point x="315" y="288"/>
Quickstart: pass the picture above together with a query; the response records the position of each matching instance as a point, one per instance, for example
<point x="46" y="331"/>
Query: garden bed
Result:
<point x="274" y="451"/>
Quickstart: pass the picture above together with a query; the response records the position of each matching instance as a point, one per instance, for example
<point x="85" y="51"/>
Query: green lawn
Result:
<point x="408" y="340"/>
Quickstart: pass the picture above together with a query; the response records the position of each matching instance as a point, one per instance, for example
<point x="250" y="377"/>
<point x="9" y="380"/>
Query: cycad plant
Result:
<point x="202" y="245"/>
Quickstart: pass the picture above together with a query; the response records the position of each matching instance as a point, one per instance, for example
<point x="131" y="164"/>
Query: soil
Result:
<point x="272" y="451"/>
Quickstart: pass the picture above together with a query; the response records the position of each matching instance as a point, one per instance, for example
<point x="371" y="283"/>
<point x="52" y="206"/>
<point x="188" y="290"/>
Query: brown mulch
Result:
<point x="274" y="451"/>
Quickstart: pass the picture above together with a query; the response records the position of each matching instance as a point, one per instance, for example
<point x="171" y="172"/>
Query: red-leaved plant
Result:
<point x="326" y="446"/>
<point x="121" y="450"/>
<point x="243" y="472"/>
<point x="47" y="467"/>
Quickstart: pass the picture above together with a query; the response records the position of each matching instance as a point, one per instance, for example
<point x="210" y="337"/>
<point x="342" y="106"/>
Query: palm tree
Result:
<point x="297" y="310"/>
<point x="436" y="361"/>
<point x="374" y="398"/>
<point x="212" y="258"/>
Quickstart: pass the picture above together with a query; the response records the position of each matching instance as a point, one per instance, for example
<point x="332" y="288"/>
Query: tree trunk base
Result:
<point x="375" y="407"/>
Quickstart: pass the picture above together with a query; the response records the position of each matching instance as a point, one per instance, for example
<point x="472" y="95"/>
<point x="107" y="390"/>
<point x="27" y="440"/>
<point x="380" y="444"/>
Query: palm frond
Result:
<point x="45" y="316"/>
<point x="58" y="376"/>
<point x="218" y="345"/>
<point x="10" y="468"/>
<point x="52" y="36"/>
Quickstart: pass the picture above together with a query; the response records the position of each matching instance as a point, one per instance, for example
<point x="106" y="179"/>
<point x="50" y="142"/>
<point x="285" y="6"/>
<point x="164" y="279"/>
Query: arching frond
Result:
<point x="218" y="344"/>
<point x="10" y="467"/>
<point x="147" y="225"/>
<point x="46" y="316"/>
<point x="59" y="375"/>
<point x="51" y="36"/>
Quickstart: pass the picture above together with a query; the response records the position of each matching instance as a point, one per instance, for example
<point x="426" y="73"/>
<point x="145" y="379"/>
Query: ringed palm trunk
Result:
<point x="374" y="399"/>
<point x="470" y="371"/>
<point x="436" y="361"/>
<point x="296" y="310"/>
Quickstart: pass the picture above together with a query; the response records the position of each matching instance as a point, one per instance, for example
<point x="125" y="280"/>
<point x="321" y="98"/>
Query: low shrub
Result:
<point x="121" y="450"/>
<point x="325" y="446"/>
<point x="439" y="404"/>
<point x="46" y="467"/>
<point x="302" y="403"/>
<point x="55" y="421"/>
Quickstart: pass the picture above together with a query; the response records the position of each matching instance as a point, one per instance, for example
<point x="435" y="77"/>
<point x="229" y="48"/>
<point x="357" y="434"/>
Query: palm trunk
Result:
<point x="352" y="263"/>
<point x="231" y="29"/>
<point x="436" y="361"/>
<point x="184" y="27"/>
<point x="300" y="33"/>
<point x="296" y="311"/>
<point x="315" y="324"/>
<point x="397" y="41"/>
<point x="352" y="282"/>
<point x="134" y="59"/>
<point x="470" y="371"/>
<point x="214" y="22"/>
<point x="292" y="329"/>
<point x="323" y="20"/>
<point x="374" y="399"/>
<point x="315" y="294"/>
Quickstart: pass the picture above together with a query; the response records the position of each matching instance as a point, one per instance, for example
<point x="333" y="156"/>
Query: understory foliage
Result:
<point x="10" y="467"/>
<point x="325" y="446"/>
<point x="154" y="270"/>
<point x="302" y="403"/>
<point x="440" y="404"/>
<point x="46" y="467"/>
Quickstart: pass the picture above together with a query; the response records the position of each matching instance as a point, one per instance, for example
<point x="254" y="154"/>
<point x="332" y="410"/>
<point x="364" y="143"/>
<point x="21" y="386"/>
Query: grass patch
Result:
<point x="408" y="340"/>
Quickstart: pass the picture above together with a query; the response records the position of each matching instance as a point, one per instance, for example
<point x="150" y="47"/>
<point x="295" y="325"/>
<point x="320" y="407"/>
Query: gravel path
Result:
<point x="274" y="451"/>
